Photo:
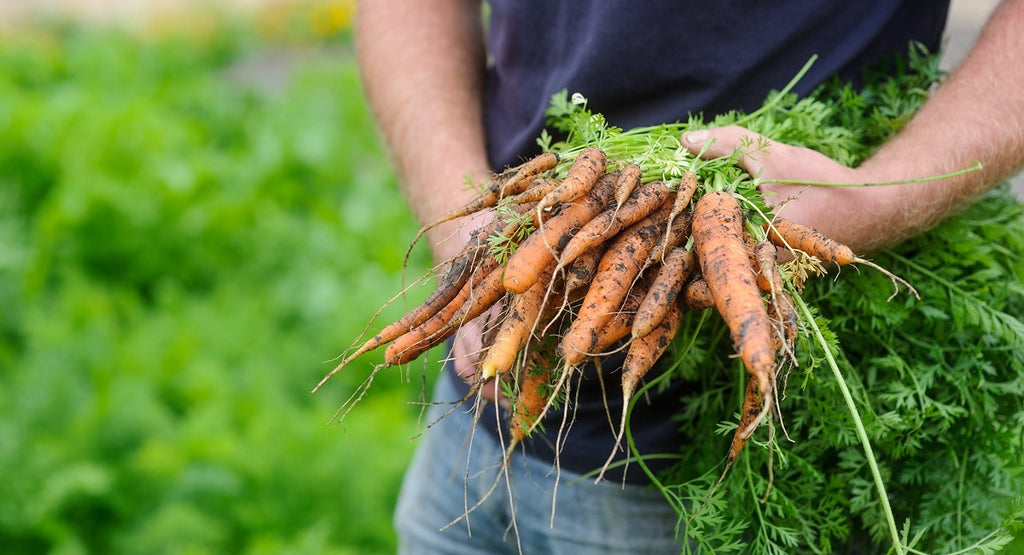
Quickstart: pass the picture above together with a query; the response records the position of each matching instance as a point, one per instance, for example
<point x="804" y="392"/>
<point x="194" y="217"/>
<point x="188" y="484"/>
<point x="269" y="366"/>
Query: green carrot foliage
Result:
<point x="938" y="382"/>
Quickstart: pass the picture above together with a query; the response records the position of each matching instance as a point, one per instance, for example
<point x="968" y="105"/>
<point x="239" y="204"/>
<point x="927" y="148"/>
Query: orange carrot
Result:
<point x="457" y="274"/>
<point x="530" y="401"/>
<point x="645" y="351"/>
<point x="539" y="187"/>
<point x="677" y="234"/>
<point x="509" y="182"/>
<point x="523" y="175"/>
<point x="665" y="288"/>
<point x="766" y="257"/>
<point x="697" y="295"/>
<point x="445" y="322"/>
<point x="629" y="179"/>
<point x="522" y="319"/>
<point x="580" y="272"/>
<point x="640" y="358"/>
<point x="718" y="237"/>
<point x="481" y="298"/>
<point x="615" y="274"/>
<point x="618" y="327"/>
<point x="789" y="234"/>
<point x="534" y="253"/>
<point x="506" y="225"/>
<point x="580" y="178"/>
<point x="748" y="414"/>
<point x="644" y="200"/>
<point x="781" y="309"/>
<point x="684" y="193"/>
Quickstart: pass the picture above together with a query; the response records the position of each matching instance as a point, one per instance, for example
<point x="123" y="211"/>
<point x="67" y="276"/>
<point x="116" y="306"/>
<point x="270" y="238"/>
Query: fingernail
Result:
<point x="697" y="137"/>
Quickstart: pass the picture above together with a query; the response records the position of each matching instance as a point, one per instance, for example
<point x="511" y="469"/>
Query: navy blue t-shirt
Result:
<point x="650" y="62"/>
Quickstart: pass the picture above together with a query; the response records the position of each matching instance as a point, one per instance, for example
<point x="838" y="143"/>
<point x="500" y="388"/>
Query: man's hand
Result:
<point x="975" y="115"/>
<point x="468" y="350"/>
<point x="468" y="342"/>
<point x="842" y="213"/>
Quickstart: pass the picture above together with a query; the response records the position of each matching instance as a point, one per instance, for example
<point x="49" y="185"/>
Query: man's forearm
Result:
<point x="422" y="66"/>
<point x="977" y="115"/>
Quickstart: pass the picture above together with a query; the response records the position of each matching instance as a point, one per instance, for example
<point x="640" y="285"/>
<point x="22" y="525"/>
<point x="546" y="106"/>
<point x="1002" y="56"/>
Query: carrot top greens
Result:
<point x="896" y="396"/>
<point x="900" y="420"/>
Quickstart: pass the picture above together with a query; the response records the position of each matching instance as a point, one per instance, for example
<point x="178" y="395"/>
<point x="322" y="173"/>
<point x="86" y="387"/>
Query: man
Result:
<point x="449" y="108"/>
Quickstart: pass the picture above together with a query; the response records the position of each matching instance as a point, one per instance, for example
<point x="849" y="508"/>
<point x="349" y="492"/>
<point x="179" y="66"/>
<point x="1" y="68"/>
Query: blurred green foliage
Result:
<point x="182" y="248"/>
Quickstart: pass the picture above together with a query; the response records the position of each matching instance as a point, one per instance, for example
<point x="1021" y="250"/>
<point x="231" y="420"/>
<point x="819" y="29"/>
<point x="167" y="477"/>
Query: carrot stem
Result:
<point x="869" y="453"/>
<point x="957" y="173"/>
<point x="670" y="496"/>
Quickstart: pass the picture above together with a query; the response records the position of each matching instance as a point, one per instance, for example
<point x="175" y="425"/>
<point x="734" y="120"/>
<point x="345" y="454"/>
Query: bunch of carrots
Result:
<point x="587" y="254"/>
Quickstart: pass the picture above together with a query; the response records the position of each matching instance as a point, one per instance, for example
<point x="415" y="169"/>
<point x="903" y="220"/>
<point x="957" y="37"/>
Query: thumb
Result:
<point x="719" y="142"/>
<point x="723" y="141"/>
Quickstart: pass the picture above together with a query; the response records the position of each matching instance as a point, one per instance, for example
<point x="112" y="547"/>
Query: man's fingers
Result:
<point x="723" y="141"/>
<point x="720" y="141"/>
<point x="767" y="160"/>
<point x="468" y="349"/>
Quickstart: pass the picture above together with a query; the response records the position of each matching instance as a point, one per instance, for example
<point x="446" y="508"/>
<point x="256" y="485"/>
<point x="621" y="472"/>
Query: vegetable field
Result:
<point x="182" y="248"/>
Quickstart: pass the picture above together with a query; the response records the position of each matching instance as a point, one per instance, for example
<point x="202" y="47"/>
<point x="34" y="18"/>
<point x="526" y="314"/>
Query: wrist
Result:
<point x="434" y="194"/>
<point x="864" y="217"/>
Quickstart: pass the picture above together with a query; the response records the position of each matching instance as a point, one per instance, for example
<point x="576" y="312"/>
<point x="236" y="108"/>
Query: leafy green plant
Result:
<point x="938" y="385"/>
<point x="901" y="421"/>
<point x="180" y="248"/>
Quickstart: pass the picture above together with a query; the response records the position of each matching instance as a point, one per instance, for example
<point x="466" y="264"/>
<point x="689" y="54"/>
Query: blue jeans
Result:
<point x="453" y="469"/>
